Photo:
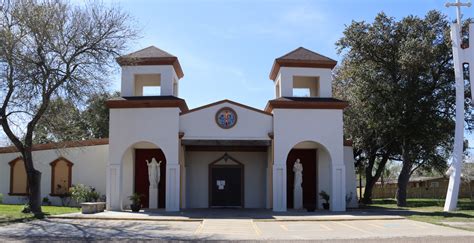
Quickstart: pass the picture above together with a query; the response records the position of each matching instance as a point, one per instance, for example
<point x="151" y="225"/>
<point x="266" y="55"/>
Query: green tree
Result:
<point x="96" y="115"/>
<point x="398" y="78"/>
<point x="62" y="121"/>
<point x="51" y="49"/>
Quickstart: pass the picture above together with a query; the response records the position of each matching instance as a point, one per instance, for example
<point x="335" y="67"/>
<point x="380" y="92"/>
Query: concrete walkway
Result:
<point x="401" y="230"/>
<point x="256" y="215"/>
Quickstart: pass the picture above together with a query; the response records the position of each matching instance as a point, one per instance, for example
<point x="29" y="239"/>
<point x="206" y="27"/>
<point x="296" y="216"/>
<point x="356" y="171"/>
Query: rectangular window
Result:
<point x="151" y="90"/>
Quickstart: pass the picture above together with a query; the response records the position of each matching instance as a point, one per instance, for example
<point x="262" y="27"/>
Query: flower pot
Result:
<point x="326" y="206"/>
<point x="135" y="207"/>
<point x="311" y="208"/>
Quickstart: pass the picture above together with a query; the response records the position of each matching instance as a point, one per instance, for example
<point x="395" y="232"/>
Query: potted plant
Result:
<point x="325" y="196"/>
<point x="136" y="199"/>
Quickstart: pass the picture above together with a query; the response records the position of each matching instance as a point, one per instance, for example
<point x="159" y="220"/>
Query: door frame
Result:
<point x="239" y="165"/>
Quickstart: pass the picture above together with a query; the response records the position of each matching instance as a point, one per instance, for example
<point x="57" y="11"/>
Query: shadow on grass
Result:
<point x="416" y="203"/>
<point x="408" y="212"/>
<point x="5" y="221"/>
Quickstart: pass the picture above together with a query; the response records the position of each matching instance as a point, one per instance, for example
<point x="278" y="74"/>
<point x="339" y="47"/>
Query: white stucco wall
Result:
<point x="250" y="124"/>
<point x="197" y="181"/>
<point x="351" y="180"/>
<point x="324" y="126"/>
<point x="128" y="127"/>
<point x="89" y="169"/>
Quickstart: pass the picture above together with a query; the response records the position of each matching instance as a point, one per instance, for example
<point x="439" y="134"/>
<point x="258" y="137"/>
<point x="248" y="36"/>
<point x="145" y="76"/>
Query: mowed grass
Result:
<point x="12" y="213"/>
<point x="429" y="210"/>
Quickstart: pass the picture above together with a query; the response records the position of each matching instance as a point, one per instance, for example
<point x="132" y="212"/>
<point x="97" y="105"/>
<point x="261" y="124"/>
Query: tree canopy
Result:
<point x="51" y="49"/>
<point x="64" y="121"/>
<point x="398" y="77"/>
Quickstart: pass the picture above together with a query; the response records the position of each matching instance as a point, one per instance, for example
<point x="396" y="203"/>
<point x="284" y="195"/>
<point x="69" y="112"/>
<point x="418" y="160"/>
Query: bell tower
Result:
<point x="150" y="72"/>
<point x="302" y="73"/>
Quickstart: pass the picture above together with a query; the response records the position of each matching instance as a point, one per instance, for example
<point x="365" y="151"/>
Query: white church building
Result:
<point x="224" y="154"/>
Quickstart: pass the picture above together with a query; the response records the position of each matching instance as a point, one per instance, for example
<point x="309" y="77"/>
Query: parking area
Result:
<point x="229" y="229"/>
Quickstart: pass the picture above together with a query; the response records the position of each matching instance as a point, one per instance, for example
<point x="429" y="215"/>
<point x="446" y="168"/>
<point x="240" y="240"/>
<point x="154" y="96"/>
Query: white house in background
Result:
<point x="223" y="154"/>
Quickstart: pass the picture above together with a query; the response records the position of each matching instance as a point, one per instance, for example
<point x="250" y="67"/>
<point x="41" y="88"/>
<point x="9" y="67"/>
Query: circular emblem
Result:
<point x="226" y="118"/>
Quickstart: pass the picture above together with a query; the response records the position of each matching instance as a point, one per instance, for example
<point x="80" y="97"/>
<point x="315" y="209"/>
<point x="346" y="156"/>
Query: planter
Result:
<point x="92" y="207"/>
<point x="135" y="207"/>
<point x="326" y="206"/>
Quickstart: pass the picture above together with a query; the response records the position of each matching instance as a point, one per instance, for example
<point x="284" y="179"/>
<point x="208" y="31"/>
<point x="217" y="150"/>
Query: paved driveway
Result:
<point x="232" y="229"/>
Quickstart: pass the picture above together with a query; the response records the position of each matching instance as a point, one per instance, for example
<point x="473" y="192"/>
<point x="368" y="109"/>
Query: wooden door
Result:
<point x="141" y="175"/>
<point x="309" y="162"/>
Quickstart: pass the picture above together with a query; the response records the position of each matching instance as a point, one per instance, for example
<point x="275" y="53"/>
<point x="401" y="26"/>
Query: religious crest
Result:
<point x="226" y="118"/>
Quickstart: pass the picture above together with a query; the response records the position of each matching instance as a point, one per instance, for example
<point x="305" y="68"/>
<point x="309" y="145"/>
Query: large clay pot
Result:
<point x="135" y="207"/>
<point x="326" y="206"/>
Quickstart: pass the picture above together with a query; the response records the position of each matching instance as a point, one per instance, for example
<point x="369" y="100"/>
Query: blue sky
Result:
<point x="226" y="48"/>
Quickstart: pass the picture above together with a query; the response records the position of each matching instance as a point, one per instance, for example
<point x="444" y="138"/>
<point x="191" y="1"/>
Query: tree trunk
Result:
<point x="370" y="179"/>
<point x="34" y="184"/>
<point x="403" y="179"/>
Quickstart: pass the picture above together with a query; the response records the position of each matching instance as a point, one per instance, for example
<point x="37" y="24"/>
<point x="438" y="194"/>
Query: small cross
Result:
<point x="458" y="5"/>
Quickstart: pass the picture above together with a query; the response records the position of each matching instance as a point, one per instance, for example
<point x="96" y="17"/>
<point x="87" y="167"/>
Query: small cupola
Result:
<point x="150" y="72"/>
<point x="302" y="73"/>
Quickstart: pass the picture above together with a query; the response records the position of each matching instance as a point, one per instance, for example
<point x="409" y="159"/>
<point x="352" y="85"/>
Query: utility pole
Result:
<point x="461" y="56"/>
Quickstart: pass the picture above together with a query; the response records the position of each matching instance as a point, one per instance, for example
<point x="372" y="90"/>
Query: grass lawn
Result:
<point x="12" y="213"/>
<point x="429" y="210"/>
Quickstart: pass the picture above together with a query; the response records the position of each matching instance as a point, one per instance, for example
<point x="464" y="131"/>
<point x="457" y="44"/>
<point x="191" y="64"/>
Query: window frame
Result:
<point x="12" y="179"/>
<point x="53" y="170"/>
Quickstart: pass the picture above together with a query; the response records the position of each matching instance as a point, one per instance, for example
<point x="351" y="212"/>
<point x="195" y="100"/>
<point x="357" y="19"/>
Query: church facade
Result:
<point x="223" y="154"/>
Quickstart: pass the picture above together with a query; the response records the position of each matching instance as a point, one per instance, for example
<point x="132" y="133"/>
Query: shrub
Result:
<point x="82" y="193"/>
<point x="1" y="198"/>
<point x="46" y="201"/>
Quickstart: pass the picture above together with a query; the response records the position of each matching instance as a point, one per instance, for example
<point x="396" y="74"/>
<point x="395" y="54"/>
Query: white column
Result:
<point x="286" y="82"/>
<point x="114" y="187"/>
<point x="455" y="169"/>
<point x="167" y="81"/>
<point x="338" y="188"/>
<point x="279" y="187"/>
<point x="172" y="187"/>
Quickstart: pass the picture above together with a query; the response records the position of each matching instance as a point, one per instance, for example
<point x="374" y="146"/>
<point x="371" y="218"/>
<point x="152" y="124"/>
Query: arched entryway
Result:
<point x="315" y="161"/>
<point x="135" y="173"/>
<point x="141" y="175"/>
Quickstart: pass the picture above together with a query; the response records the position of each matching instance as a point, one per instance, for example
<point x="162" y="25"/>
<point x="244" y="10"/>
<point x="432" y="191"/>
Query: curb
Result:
<point x="254" y="220"/>
<point x="131" y="219"/>
<point x="327" y="219"/>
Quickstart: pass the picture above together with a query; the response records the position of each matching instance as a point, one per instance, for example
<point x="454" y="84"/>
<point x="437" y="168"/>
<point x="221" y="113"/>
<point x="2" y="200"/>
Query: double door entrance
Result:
<point x="226" y="184"/>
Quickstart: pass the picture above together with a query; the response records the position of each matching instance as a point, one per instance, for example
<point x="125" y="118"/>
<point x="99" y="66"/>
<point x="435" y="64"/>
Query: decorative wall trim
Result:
<point x="122" y="103"/>
<point x="230" y="102"/>
<point x="62" y="145"/>
<point x="285" y="104"/>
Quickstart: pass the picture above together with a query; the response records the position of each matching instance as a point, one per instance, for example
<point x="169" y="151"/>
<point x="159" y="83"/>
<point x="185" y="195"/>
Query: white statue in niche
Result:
<point x="153" y="172"/>
<point x="297" y="186"/>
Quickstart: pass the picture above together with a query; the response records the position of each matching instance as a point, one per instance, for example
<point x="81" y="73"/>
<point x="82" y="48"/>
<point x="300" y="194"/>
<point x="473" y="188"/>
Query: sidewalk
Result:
<point x="261" y="215"/>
